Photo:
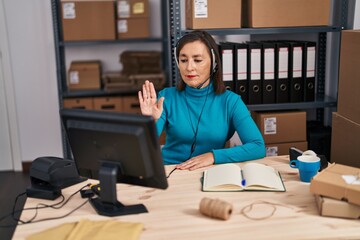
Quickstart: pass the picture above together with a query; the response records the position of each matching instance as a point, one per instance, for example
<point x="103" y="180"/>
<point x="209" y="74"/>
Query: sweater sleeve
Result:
<point x="253" y="146"/>
<point x="160" y="123"/>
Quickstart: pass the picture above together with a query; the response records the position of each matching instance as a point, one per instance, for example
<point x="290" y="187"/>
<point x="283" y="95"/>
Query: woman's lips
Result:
<point x="190" y="76"/>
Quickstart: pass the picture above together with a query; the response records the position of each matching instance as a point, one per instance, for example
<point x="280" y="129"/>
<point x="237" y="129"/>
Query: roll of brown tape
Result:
<point x="215" y="208"/>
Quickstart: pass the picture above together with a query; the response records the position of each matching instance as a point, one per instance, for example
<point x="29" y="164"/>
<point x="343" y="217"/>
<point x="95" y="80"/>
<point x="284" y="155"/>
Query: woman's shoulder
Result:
<point x="231" y="96"/>
<point x="167" y="92"/>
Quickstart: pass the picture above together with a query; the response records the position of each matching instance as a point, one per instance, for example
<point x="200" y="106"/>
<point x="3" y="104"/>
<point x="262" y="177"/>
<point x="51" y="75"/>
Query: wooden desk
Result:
<point x="173" y="213"/>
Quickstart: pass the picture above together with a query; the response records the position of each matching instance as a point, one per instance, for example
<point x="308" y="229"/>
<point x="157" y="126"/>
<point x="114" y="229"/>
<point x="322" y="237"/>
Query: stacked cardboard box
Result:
<point x="345" y="139"/>
<point x="88" y="20"/>
<point x="84" y="75"/>
<point x="282" y="130"/>
<point x="135" y="62"/>
<point x="213" y="14"/>
<point x="118" y="82"/>
<point x="285" y="13"/>
<point x="133" y="19"/>
<point x="337" y="189"/>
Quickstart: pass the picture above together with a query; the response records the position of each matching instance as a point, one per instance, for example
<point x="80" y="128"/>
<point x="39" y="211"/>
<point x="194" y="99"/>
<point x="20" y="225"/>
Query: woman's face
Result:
<point x="195" y="63"/>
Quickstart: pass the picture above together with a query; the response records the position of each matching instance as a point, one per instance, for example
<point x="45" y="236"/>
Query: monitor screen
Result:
<point x="114" y="148"/>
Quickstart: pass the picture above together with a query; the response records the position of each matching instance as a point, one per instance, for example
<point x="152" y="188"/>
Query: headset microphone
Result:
<point x="201" y="84"/>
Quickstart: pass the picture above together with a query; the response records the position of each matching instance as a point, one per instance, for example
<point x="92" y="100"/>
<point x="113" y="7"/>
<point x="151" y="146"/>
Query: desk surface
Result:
<point x="173" y="213"/>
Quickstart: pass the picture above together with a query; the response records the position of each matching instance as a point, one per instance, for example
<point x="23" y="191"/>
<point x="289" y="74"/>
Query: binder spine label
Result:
<point x="227" y="65"/>
<point x="255" y="64"/>
<point x="310" y="68"/>
<point x="242" y="64"/>
<point x="269" y="64"/>
<point x="297" y="62"/>
<point x="283" y="62"/>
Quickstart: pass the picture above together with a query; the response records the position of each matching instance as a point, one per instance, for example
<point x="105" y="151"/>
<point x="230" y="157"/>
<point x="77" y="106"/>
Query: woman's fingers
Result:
<point x="152" y="91"/>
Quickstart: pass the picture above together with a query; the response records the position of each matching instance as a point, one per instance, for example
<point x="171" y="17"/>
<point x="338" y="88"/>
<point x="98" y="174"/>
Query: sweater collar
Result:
<point x="191" y="91"/>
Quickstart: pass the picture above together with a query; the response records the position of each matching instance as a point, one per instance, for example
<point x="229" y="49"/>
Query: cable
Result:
<point x="193" y="145"/>
<point x="57" y="205"/>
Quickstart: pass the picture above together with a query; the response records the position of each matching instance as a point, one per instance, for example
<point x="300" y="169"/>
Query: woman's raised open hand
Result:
<point x="149" y="104"/>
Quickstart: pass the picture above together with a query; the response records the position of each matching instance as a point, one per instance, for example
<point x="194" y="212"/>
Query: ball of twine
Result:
<point x="216" y="208"/>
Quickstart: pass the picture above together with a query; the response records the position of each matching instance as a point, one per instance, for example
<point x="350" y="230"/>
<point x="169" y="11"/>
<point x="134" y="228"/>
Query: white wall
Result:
<point x="357" y="15"/>
<point x="31" y="46"/>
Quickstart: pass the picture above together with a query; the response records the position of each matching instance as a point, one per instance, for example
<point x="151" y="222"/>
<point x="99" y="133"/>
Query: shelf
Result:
<point x="278" y="30"/>
<point x="325" y="103"/>
<point x="96" y="93"/>
<point x="119" y="41"/>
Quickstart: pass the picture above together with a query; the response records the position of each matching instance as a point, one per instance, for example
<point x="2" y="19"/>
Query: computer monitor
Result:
<point x="115" y="148"/>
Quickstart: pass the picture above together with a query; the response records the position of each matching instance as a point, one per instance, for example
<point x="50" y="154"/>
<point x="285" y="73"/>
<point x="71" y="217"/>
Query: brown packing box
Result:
<point x="110" y="104"/>
<point x="133" y="28"/>
<point x="88" y="20"/>
<point x="214" y="14"/>
<point x="131" y="104"/>
<point x="336" y="208"/>
<point x="84" y="75"/>
<point x="330" y="183"/>
<point x="285" y="13"/>
<point x="79" y="103"/>
<point x="280" y="127"/>
<point x="132" y="8"/>
<point x="345" y="141"/>
<point x="117" y="82"/>
<point x="349" y="77"/>
<point x="278" y="149"/>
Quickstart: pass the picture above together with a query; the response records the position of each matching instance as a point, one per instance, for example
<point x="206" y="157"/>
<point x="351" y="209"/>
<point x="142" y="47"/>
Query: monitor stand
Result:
<point x="107" y="204"/>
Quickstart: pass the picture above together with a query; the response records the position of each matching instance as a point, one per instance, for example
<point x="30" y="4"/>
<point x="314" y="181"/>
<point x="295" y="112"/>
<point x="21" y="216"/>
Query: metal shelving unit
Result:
<point x="322" y="101"/>
<point x="61" y="71"/>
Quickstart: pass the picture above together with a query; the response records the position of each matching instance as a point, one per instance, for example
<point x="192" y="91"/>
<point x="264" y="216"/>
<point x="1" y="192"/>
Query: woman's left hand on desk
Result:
<point x="200" y="161"/>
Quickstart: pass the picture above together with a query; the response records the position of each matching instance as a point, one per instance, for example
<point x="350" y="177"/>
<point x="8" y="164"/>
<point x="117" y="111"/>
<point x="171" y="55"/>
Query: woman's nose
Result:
<point x="190" y="65"/>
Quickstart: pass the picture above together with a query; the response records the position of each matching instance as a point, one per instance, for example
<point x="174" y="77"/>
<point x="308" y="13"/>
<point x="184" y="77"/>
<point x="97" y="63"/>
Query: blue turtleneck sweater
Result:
<point x="213" y="119"/>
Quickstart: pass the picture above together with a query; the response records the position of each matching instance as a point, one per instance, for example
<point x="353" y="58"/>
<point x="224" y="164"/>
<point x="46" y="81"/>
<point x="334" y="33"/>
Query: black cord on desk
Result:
<point x="57" y="205"/>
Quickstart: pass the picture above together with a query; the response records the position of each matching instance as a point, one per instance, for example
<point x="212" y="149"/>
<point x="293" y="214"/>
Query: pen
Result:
<point x="243" y="182"/>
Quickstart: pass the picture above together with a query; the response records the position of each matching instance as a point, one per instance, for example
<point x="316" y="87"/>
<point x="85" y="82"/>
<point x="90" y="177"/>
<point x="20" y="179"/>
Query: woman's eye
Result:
<point x="198" y="61"/>
<point x="183" y="60"/>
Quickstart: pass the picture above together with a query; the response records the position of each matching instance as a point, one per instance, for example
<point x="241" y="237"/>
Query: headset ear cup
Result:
<point x="214" y="65"/>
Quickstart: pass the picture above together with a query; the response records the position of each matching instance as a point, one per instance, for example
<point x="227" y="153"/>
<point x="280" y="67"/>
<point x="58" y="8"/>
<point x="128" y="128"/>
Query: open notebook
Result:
<point x="250" y="177"/>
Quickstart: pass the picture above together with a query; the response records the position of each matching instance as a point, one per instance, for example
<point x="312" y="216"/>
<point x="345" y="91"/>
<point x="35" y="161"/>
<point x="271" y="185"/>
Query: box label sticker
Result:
<point x="122" y="26"/>
<point x="138" y="8"/>
<point x="201" y="8"/>
<point x="272" y="151"/>
<point x="123" y="8"/>
<point x="351" y="179"/>
<point x="269" y="125"/>
<point x="74" y="77"/>
<point x="69" y="11"/>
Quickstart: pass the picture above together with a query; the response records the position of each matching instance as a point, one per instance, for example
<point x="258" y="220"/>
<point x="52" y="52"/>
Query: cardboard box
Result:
<point x="279" y="149"/>
<point x="88" y="20"/>
<point x="349" y="76"/>
<point x="280" y="127"/>
<point x="213" y="14"/>
<point x="132" y="8"/>
<point x="330" y="182"/>
<point x="335" y="208"/>
<point x="79" y="103"/>
<point x="84" y="75"/>
<point x="285" y="13"/>
<point x="345" y="141"/>
<point x="131" y="104"/>
<point x="133" y="28"/>
<point x="110" y="104"/>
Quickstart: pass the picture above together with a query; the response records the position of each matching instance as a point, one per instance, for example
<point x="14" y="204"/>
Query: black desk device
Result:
<point x="48" y="175"/>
